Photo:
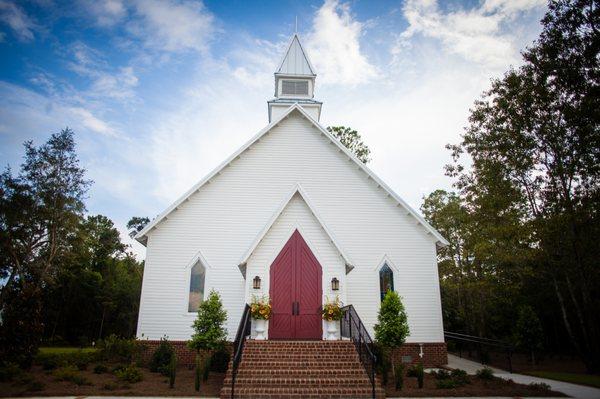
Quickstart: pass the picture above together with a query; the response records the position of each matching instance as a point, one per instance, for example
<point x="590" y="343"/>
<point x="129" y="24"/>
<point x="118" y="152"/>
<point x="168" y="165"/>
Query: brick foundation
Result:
<point x="185" y="355"/>
<point x="434" y="353"/>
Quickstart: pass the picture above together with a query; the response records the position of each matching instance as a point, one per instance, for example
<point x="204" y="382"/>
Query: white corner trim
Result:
<point x="440" y="240"/>
<point x="296" y="189"/>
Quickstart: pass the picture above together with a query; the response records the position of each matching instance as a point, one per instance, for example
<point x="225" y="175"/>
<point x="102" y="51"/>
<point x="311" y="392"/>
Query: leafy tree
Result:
<point x="136" y="224"/>
<point x="209" y="333"/>
<point x="392" y="327"/>
<point x="96" y="292"/>
<point x="352" y="140"/>
<point x="39" y="210"/>
<point x="532" y="188"/>
<point x="528" y="331"/>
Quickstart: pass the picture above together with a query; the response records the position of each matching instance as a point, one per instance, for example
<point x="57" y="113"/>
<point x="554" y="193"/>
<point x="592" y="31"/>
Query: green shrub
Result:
<point x="399" y="376"/>
<point x="65" y="373"/>
<point x="441" y="374"/>
<point x="109" y="387"/>
<point x="118" y="349"/>
<point x="70" y="373"/>
<point x="172" y="371"/>
<point x="219" y="361"/>
<point x="51" y="360"/>
<point x="539" y="386"/>
<point x="446" y="384"/>
<point x="35" y="386"/>
<point x="485" y="373"/>
<point x="197" y="372"/>
<point x="459" y="376"/>
<point x="416" y="370"/>
<point x="206" y="369"/>
<point x="9" y="370"/>
<point x="161" y="357"/>
<point x="100" y="368"/>
<point x="130" y="374"/>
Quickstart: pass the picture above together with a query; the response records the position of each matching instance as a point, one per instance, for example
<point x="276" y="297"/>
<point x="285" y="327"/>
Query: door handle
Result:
<point x="297" y="308"/>
<point x="293" y="308"/>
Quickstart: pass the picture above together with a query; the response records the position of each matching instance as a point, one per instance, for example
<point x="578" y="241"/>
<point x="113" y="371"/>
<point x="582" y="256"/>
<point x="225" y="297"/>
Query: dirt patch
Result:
<point x="153" y="384"/>
<point x="475" y="387"/>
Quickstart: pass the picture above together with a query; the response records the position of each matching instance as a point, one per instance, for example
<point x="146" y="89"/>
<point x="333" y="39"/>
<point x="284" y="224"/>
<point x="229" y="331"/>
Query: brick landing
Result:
<point x="300" y="369"/>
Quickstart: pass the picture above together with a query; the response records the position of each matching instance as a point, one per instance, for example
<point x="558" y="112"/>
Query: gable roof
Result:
<point x="440" y="240"/>
<point x="300" y="191"/>
<point x="295" y="61"/>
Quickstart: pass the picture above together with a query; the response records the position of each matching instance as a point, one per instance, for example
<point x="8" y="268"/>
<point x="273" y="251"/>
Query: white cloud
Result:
<point x="106" y="12"/>
<point x="24" y="110"/>
<point x="13" y="16"/>
<point x="93" y="123"/>
<point x="476" y="34"/>
<point x="333" y="46"/>
<point x="105" y="81"/>
<point x="173" y="25"/>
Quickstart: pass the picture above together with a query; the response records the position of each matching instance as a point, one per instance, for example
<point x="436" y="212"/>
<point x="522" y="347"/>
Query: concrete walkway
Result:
<point x="573" y="390"/>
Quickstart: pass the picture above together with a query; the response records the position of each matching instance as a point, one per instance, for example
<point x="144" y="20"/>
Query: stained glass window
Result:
<point x="386" y="280"/>
<point x="196" y="287"/>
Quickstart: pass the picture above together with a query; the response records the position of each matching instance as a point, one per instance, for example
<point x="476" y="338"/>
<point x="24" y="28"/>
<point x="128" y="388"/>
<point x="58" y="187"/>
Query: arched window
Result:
<point x="386" y="280"/>
<point x="196" y="286"/>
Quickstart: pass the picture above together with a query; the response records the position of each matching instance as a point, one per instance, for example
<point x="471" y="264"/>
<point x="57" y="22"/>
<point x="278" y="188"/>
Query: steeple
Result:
<point x="294" y="82"/>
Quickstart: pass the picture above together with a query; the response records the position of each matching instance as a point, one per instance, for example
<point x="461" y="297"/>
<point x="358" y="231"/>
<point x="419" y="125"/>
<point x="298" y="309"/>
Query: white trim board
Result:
<point x="297" y="189"/>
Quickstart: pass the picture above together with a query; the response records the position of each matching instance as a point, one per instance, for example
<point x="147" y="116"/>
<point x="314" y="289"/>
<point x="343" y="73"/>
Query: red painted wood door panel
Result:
<point x="296" y="292"/>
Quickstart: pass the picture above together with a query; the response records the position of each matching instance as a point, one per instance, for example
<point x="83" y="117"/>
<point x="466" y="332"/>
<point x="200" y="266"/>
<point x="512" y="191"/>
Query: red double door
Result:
<point x="296" y="292"/>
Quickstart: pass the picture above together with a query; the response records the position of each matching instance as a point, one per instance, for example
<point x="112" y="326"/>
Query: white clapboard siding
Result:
<point x="222" y="220"/>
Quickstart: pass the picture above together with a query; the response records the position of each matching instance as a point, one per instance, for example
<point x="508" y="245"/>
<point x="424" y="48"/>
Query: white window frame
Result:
<point x="188" y="277"/>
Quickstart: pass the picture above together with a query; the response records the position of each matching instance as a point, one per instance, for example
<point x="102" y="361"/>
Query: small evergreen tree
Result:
<point x="392" y="327"/>
<point x="528" y="331"/>
<point x="209" y="333"/>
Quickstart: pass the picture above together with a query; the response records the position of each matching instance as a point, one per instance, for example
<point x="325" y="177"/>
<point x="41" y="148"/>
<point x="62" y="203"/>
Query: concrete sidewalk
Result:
<point x="573" y="390"/>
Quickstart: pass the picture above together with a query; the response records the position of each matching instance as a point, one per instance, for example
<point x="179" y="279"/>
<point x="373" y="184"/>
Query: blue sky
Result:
<point x="160" y="92"/>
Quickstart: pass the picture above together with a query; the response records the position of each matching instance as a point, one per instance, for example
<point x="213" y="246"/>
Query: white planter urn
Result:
<point x="332" y="330"/>
<point x="259" y="329"/>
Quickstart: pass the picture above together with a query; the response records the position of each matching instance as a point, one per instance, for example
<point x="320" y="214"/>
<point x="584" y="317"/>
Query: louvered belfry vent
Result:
<point x="294" y="87"/>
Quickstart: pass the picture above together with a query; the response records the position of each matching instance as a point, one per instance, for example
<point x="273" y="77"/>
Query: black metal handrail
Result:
<point x="479" y="342"/>
<point x="352" y="327"/>
<point x="238" y="345"/>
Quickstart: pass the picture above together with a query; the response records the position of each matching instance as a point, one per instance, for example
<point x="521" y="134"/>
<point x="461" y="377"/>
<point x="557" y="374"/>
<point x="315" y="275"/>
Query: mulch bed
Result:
<point x="476" y="387"/>
<point x="106" y="384"/>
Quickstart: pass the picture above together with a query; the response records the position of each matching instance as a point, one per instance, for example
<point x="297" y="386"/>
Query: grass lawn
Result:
<point x="56" y="350"/>
<point x="582" y="379"/>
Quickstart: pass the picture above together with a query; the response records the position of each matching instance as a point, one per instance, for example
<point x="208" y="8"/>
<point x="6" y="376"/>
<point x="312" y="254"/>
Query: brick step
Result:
<point x="297" y="393"/>
<point x="301" y="356"/>
<point x="298" y="364"/>
<point x="304" y="344"/>
<point x="302" y="372"/>
<point x="334" y="348"/>
<point x="329" y="351"/>
<point x="291" y="382"/>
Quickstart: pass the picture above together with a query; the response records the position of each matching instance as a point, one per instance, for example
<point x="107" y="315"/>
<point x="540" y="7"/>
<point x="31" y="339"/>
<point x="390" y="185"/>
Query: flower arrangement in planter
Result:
<point x="332" y="314"/>
<point x="260" y="310"/>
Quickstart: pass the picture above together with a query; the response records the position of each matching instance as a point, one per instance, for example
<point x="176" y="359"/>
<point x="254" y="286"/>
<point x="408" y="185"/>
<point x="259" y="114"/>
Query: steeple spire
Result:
<point x="294" y="82"/>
